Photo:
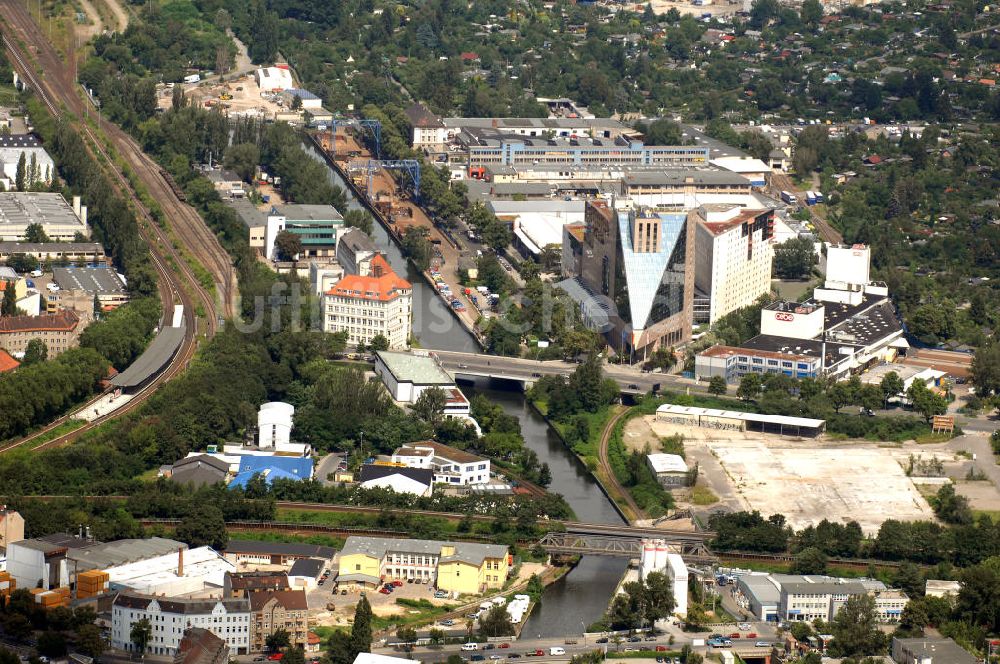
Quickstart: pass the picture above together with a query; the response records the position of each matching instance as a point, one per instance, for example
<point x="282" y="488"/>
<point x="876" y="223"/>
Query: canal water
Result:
<point x="580" y="597"/>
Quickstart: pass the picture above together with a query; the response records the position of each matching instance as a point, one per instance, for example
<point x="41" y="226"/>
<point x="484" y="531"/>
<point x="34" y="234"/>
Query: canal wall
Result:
<point x="391" y="229"/>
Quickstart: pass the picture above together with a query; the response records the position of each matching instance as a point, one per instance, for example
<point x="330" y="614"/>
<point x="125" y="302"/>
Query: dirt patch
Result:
<point x="982" y="496"/>
<point x="717" y="8"/>
<point x="638" y="433"/>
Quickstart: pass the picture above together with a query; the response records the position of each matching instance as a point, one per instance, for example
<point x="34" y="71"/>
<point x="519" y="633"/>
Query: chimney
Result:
<point x="180" y="561"/>
<point x="76" y="205"/>
<point x="83" y="214"/>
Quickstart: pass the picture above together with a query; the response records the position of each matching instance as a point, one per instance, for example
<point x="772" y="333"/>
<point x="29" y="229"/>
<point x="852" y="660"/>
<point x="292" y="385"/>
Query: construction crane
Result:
<point x="371" y="126"/>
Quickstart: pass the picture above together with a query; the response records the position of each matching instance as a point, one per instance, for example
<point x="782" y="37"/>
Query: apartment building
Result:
<point x="245" y="584"/>
<point x="450" y="465"/>
<point x="169" y="617"/>
<point x="365" y="307"/>
<point x="59" y="331"/>
<point x="733" y="258"/>
<point x="273" y="610"/>
<point x="200" y="646"/>
<point x="462" y="567"/>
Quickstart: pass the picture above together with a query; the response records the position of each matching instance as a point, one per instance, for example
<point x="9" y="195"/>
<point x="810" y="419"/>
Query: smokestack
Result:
<point x="180" y="561"/>
<point x="76" y="205"/>
<point x="83" y="214"/>
<point x="88" y="532"/>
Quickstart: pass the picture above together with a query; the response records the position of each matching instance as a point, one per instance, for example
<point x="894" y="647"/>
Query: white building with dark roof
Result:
<point x="450" y="465"/>
<point x="169" y="617"/>
<point x="413" y="481"/>
<point x="12" y="146"/>
<point x="61" y="223"/>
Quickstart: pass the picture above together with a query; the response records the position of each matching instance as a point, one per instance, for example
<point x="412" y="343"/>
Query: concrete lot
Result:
<point x="808" y="480"/>
<point x="246" y="96"/>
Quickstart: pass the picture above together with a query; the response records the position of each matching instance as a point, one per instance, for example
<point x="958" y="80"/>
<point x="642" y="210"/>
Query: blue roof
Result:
<point x="302" y="94"/>
<point x="269" y="474"/>
<point x="300" y="467"/>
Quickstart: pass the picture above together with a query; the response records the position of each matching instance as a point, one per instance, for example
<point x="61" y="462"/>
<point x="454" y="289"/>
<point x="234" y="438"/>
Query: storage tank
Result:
<point x="648" y="558"/>
<point x="661" y="556"/>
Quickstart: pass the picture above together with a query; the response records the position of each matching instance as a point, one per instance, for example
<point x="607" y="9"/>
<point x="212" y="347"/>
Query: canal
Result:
<point x="580" y="597"/>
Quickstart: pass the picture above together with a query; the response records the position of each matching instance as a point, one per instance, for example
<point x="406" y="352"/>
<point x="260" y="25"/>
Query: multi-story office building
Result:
<point x="318" y="227"/>
<point x="632" y="273"/>
<point x="365" y="307"/>
<point x="169" y="617"/>
<point x="733" y="257"/>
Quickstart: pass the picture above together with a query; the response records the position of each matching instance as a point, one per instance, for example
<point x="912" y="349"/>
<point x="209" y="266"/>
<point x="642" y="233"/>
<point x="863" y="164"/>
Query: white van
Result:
<point x="556" y="650"/>
<point x="470" y="646"/>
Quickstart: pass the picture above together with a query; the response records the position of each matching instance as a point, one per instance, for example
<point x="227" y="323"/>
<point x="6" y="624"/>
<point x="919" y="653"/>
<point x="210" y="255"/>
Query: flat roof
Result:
<point x="736" y="415"/>
<point x="89" y="279"/>
<point x="297" y="212"/>
<point x="51" y="247"/>
<point x="681" y="177"/>
<point x="160" y="351"/>
<point x="939" y="650"/>
<point x="412" y="368"/>
<point x="27" y="207"/>
<point x="761" y="587"/>
<point x="377" y="547"/>
<point x="667" y="463"/>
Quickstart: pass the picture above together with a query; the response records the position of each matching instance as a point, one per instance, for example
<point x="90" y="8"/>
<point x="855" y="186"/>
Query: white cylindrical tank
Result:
<point x="648" y="558"/>
<point x="661" y="556"/>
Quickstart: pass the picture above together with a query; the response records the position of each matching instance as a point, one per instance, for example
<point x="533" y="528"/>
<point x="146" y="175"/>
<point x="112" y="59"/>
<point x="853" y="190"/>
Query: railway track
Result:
<point x="53" y="89"/>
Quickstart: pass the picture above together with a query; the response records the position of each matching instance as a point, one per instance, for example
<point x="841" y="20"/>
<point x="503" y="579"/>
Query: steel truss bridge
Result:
<point x="626" y="542"/>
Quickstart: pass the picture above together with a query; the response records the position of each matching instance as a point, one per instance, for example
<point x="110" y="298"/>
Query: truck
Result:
<point x="810" y="197"/>
<point x="789" y="197"/>
<point x="556" y="650"/>
<point x="192" y="78"/>
<point x="819" y="196"/>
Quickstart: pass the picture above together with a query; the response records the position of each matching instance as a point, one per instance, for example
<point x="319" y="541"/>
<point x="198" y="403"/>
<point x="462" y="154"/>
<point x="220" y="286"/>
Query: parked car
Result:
<point x="603" y="639"/>
<point x="634" y="639"/>
<point x="477" y="658"/>
<point x="489" y="646"/>
<point x="513" y="655"/>
<point x="650" y="638"/>
<point x="503" y="645"/>
<point x="743" y="627"/>
<point x="470" y="646"/>
<point x="661" y="649"/>
<point x="397" y="583"/>
<point x="762" y="644"/>
<point x="495" y="657"/>
<point x="735" y="635"/>
<point x="556" y="650"/>
<point x="752" y="635"/>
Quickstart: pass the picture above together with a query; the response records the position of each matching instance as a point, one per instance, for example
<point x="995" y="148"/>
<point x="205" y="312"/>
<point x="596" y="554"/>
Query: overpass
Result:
<point x="625" y="541"/>
<point x="630" y="379"/>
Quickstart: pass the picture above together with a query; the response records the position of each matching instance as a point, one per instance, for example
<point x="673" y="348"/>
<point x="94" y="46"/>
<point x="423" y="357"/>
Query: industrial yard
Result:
<point x="805" y="480"/>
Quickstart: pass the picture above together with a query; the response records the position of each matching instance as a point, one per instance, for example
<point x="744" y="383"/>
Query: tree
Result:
<point x="35" y="352"/>
<point x="809" y="561"/>
<point x="496" y="622"/>
<point x="870" y="397"/>
<point x="140" y="635"/>
<point x="204" y="526"/>
<point x="243" y="158"/>
<point x="9" y="305"/>
<point x="749" y="388"/>
<point x="378" y="342"/>
<point x="406" y="635"/>
<point x="35" y="233"/>
<point x="811" y="12"/>
<point x="925" y="401"/>
<point x="21" y="176"/>
<point x="794" y="259"/>
<point x="840" y="395"/>
<point x="717" y="386"/>
<point x="288" y="245"/>
<point x="951" y="507"/>
<point x="294" y="655"/>
<point x="663" y="132"/>
<point x="360" y="219"/>
<point x="986" y="370"/>
<point x="436" y="636"/>
<point x="90" y="640"/>
<point x="277" y="640"/>
<point x="891" y="385"/>
<point x="855" y="629"/>
<point x="430" y="405"/>
<point x="51" y="644"/>
<point x="361" y="630"/>
<point x="296" y="104"/>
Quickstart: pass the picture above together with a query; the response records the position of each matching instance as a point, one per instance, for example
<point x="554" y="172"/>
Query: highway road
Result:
<point x="631" y="379"/>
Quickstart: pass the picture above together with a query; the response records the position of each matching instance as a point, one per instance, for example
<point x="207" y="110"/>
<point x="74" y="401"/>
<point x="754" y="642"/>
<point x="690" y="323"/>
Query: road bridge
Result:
<point x="630" y="379"/>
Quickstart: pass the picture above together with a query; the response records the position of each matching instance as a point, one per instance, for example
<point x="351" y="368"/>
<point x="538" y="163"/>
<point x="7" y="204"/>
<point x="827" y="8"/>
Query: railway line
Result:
<point x="54" y="89"/>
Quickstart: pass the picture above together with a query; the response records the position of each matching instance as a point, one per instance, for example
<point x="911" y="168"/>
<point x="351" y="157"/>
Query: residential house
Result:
<point x="273" y="610"/>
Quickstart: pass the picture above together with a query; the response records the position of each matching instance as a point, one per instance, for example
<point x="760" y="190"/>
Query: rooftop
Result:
<point x="200" y="646"/>
<point x="310" y="567"/>
<point x="298" y="212"/>
<point x="292" y="600"/>
<point x="413" y="368"/>
<point x="64" y="321"/>
<point x="382" y="284"/>
<point x="89" y="279"/>
<point x="203" y="567"/>
<point x="420" y="116"/>
<point x="439" y="450"/>
<point x="122" y="552"/>
<point x="939" y="650"/>
<point x="370" y="472"/>
<point x="377" y="547"/>
<point x="23" y="207"/>
<point x="7" y="363"/>
<point x="51" y="247"/>
<point x="256" y="581"/>
<point x="19" y="141"/>
<point x="745" y="215"/>
<point x="667" y="463"/>
<point x="280" y="548"/>
<point x="356" y="240"/>
<point x="182" y="605"/>
<point x="679" y="177"/>
<point x="736" y="415"/>
<point x="160" y="350"/>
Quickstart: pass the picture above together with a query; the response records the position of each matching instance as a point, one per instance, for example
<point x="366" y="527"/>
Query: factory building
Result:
<point x="731" y="420"/>
<point x="670" y="470"/>
<point x="805" y="598"/>
<point x="61" y="223"/>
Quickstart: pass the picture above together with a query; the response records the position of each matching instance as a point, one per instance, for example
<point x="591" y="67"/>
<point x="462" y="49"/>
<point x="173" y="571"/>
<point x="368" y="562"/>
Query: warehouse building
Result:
<point x="169" y="617"/>
<point x="930" y="650"/>
<point x="101" y="282"/>
<point x="259" y="552"/>
<point x="182" y="572"/>
<point x="760" y="594"/>
<point x="61" y="223"/>
<point x="38" y="165"/>
<point x="396" y="478"/>
<point x="90" y="253"/>
<point x="731" y="420"/>
<point x="670" y="470"/>
<point x="462" y="567"/>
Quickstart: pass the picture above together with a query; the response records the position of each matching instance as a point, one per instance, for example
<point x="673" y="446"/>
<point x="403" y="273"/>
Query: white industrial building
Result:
<point x="538" y="223"/>
<point x="274" y="79"/>
<point x="169" y="617"/>
<point x="412" y="481"/>
<point x="61" y="223"/>
<point x="657" y="557"/>
<point x="274" y="425"/>
<point x="670" y="470"/>
<point x="183" y="572"/>
<point x="406" y="375"/>
<point x="752" y="169"/>
<point x="774" y="597"/>
<point x="733" y="258"/>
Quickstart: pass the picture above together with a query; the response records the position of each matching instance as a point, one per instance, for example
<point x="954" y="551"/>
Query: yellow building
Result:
<point x="462" y="567"/>
<point x="11" y="527"/>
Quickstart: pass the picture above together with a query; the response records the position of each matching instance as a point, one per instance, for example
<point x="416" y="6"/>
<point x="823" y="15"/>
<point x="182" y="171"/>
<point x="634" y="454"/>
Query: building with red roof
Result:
<point x="7" y="363"/>
<point x="380" y="303"/>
